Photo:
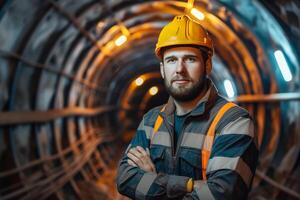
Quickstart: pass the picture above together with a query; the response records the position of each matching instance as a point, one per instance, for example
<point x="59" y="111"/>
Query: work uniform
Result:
<point x="231" y="164"/>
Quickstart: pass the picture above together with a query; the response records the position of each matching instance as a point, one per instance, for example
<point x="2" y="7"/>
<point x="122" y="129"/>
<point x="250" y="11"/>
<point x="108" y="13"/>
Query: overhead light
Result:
<point x="228" y="88"/>
<point x="153" y="90"/>
<point x="125" y="33"/>
<point x="120" y="40"/>
<point x="283" y="66"/>
<point x="197" y="13"/>
<point x="139" y="81"/>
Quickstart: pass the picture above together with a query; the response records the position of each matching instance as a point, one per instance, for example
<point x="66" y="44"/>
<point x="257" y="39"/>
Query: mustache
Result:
<point x="180" y="78"/>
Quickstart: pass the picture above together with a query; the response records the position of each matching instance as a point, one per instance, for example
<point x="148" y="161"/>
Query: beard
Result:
<point x="185" y="93"/>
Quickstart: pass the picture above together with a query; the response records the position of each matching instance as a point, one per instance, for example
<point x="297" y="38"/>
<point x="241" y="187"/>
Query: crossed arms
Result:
<point x="138" y="157"/>
<point x="229" y="173"/>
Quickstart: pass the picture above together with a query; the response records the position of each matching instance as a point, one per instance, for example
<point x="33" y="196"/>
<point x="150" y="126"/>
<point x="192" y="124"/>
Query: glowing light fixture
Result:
<point x="120" y="40"/>
<point x="125" y="33"/>
<point x="283" y="66"/>
<point x="139" y="81"/>
<point x="229" y="88"/>
<point x="197" y="13"/>
<point x="153" y="90"/>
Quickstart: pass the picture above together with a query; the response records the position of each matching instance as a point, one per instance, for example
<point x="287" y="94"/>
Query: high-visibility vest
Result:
<point x="209" y="139"/>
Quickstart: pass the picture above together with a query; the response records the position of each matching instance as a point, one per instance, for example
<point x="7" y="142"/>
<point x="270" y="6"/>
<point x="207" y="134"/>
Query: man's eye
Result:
<point x="172" y="60"/>
<point x="191" y="59"/>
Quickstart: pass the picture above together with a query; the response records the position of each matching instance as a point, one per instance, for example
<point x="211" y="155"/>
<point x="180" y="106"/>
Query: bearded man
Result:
<point x="197" y="145"/>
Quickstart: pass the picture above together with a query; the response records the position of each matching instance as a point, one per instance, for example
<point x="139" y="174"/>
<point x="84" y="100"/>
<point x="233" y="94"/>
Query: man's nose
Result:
<point x="180" y="67"/>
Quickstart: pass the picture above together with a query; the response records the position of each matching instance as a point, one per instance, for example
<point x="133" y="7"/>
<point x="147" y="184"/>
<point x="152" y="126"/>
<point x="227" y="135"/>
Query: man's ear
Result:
<point x="162" y="70"/>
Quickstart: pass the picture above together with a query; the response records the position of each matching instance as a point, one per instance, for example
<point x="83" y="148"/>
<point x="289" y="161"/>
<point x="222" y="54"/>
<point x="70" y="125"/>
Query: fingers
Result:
<point x="134" y="151"/>
<point x="132" y="155"/>
<point x="150" y="161"/>
<point x="142" y="151"/>
<point x="146" y="157"/>
<point x="137" y="151"/>
<point x="141" y="158"/>
<point x="152" y="165"/>
<point x="130" y="162"/>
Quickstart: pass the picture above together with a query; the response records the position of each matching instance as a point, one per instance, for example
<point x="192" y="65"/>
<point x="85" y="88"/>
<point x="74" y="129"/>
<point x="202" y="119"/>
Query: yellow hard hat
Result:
<point x="183" y="30"/>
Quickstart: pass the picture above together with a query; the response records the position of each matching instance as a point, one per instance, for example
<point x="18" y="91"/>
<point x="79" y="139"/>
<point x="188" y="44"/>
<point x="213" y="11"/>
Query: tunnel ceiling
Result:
<point x="69" y="94"/>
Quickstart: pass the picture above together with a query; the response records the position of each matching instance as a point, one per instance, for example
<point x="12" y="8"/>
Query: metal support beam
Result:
<point x="88" y="136"/>
<point x="81" y="29"/>
<point x="74" y="21"/>
<point x="267" y="98"/>
<point x="10" y="55"/>
<point x="22" y="117"/>
<point x="277" y="185"/>
<point x="59" y="175"/>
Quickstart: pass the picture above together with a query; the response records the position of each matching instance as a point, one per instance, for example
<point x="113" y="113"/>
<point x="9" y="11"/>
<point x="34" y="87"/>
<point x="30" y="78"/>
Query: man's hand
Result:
<point x="138" y="157"/>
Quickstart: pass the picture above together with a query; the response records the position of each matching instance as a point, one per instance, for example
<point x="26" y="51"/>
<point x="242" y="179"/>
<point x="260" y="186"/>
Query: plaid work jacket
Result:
<point x="231" y="165"/>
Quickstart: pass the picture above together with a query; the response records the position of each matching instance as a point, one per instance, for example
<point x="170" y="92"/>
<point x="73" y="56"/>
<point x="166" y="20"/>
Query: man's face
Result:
<point x="183" y="71"/>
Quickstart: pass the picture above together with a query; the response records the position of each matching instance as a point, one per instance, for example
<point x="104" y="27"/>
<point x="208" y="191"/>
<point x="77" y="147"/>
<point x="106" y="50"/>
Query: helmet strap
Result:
<point x="208" y="65"/>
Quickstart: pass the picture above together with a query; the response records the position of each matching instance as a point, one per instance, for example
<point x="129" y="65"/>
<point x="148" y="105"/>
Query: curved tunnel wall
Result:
<point x="69" y="98"/>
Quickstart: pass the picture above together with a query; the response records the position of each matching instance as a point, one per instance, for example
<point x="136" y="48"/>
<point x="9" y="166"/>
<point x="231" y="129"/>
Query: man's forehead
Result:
<point x="182" y="51"/>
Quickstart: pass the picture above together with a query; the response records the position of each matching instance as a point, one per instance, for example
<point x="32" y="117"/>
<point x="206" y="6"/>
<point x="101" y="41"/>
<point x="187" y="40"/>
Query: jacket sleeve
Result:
<point x="232" y="163"/>
<point x="135" y="183"/>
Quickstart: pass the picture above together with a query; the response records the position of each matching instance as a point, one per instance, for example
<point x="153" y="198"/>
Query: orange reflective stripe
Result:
<point x="204" y="156"/>
<point x="157" y="124"/>
<point x="208" y="142"/>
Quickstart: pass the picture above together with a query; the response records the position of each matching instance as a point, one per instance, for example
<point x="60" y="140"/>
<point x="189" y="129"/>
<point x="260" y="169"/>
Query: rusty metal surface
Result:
<point x="278" y="97"/>
<point x="11" y="55"/>
<point x="67" y="100"/>
<point x="19" y="117"/>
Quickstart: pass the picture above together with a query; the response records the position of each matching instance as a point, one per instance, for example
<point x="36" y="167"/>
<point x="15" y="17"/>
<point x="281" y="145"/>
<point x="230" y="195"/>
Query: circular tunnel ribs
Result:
<point x="88" y="156"/>
<point x="19" y="117"/>
<point x="14" y="56"/>
<point x="39" y="188"/>
<point x="61" y="87"/>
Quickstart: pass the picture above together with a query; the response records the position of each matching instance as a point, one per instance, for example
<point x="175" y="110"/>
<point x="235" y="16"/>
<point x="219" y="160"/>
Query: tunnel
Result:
<point x="76" y="77"/>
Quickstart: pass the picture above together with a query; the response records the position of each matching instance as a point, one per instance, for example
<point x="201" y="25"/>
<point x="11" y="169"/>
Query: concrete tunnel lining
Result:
<point x="70" y="69"/>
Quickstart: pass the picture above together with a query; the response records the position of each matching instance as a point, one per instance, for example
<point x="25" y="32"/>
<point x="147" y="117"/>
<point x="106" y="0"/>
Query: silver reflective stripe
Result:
<point x="243" y="126"/>
<point x="203" y="191"/>
<point x="125" y="174"/>
<point x="236" y="164"/>
<point x="144" y="185"/>
<point x="193" y="140"/>
<point x="148" y="130"/>
<point x="161" y="138"/>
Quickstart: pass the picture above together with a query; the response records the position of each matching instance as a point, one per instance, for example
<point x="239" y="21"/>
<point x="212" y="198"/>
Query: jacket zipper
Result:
<point x="171" y="133"/>
<point x="179" y="141"/>
<point x="180" y="138"/>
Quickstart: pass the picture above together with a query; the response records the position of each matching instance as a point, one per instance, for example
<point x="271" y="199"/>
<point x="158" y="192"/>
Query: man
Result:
<point x="197" y="146"/>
